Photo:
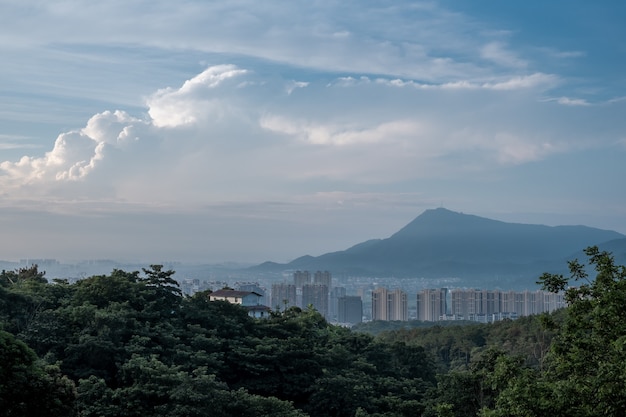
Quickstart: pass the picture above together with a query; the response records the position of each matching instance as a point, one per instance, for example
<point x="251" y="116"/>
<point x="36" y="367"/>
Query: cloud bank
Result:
<point x="230" y="132"/>
<point x="232" y="126"/>
<point x="243" y="119"/>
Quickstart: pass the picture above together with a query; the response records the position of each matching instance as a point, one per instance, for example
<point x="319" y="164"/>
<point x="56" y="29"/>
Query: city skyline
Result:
<point x="247" y="132"/>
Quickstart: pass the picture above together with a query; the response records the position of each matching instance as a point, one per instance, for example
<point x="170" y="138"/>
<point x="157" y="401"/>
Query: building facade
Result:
<point x="389" y="305"/>
<point x="283" y="296"/>
<point x="301" y="278"/>
<point x="323" y="278"/>
<point x="484" y="305"/>
<point x="431" y="304"/>
<point x="317" y="296"/>
<point x="247" y="299"/>
<point x="350" y="309"/>
<point x="333" y="305"/>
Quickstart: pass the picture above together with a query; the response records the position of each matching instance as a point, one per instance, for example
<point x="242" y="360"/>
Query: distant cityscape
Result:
<point x="316" y="289"/>
<point x="343" y="300"/>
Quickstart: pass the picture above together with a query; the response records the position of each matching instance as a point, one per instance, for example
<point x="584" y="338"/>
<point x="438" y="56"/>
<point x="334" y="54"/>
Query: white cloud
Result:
<point x="75" y="154"/>
<point x="324" y="134"/>
<point x="291" y="86"/>
<point x="328" y="109"/>
<point x="515" y="150"/>
<point x="420" y="40"/>
<point x="231" y="132"/>
<point x="498" y="53"/>
<point x="194" y="100"/>
<point x="528" y="81"/>
<point x="9" y="145"/>
<point x="518" y="82"/>
<point x="567" y="101"/>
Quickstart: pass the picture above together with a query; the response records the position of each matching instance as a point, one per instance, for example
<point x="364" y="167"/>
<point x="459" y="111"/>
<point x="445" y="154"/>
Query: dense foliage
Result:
<point x="129" y="344"/>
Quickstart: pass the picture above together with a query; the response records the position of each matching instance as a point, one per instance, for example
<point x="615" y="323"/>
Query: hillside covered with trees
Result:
<point x="129" y="344"/>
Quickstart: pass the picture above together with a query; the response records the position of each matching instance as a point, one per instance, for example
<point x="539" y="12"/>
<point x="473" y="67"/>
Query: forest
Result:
<point x="130" y="344"/>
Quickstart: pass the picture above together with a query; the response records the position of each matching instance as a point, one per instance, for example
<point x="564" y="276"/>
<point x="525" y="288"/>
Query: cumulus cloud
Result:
<point x="230" y="132"/>
<point x="331" y="105"/>
<point x="74" y="154"/>
<point x="196" y="98"/>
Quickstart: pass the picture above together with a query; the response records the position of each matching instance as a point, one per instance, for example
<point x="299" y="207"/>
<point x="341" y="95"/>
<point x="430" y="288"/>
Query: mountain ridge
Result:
<point x="440" y="242"/>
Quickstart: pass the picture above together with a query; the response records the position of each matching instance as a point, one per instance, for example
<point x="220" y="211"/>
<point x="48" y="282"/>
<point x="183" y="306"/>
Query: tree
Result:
<point x="589" y="354"/>
<point x="165" y="294"/>
<point x="22" y="275"/>
<point x="102" y="290"/>
<point x="25" y="294"/>
<point x="27" y="386"/>
<point x="584" y="374"/>
<point x="156" y="277"/>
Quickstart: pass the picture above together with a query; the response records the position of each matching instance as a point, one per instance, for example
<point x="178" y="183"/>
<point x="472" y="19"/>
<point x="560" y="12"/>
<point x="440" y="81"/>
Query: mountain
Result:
<point x="443" y="243"/>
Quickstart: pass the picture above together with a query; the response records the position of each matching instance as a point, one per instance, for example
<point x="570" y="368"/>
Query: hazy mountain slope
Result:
<point x="441" y="243"/>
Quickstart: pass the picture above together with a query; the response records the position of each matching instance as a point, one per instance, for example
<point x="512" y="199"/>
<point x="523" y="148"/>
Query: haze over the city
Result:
<point x="251" y="131"/>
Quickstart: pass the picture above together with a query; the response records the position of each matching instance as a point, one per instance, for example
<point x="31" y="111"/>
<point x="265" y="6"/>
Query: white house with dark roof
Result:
<point x="247" y="299"/>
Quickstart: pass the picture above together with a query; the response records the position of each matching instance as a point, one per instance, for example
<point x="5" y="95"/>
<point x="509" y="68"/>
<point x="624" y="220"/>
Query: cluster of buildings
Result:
<point x="306" y="289"/>
<point x="303" y="289"/>
<point x="484" y="305"/>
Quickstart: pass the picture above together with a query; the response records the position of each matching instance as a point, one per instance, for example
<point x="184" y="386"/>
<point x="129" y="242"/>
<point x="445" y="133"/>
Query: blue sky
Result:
<point x="251" y="131"/>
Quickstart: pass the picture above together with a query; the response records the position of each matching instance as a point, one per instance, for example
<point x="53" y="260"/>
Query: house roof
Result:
<point x="258" y="308"/>
<point x="232" y="293"/>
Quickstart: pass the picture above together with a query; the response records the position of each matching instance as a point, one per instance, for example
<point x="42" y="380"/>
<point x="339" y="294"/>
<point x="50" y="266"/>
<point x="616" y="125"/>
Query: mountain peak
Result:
<point x="443" y="221"/>
<point x="444" y="243"/>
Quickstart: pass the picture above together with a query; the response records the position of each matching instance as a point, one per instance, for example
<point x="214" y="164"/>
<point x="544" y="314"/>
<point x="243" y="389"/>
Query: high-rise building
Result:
<point x="350" y="309"/>
<point x="322" y="278"/>
<point x="379" y="304"/>
<point x="507" y="301"/>
<point x="335" y="294"/>
<point x="459" y="304"/>
<point x="317" y="296"/>
<point x="389" y="305"/>
<point x="432" y="304"/>
<point x="301" y="278"/>
<point x="399" y="306"/>
<point x="283" y="296"/>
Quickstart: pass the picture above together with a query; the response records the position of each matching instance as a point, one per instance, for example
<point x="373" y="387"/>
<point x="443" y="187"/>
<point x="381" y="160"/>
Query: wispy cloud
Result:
<point x="567" y="101"/>
<point x="536" y="80"/>
<point x="498" y="53"/>
<point x="570" y="54"/>
<point x="417" y="40"/>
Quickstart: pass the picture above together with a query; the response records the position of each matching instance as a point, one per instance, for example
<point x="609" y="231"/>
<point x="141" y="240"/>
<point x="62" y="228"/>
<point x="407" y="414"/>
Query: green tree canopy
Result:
<point x="27" y="386"/>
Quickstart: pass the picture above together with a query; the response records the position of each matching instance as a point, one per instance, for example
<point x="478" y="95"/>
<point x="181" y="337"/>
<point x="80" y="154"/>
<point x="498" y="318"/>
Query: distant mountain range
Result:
<point x="442" y="243"/>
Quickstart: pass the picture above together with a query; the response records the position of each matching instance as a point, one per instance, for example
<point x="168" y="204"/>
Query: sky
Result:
<point x="249" y="131"/>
